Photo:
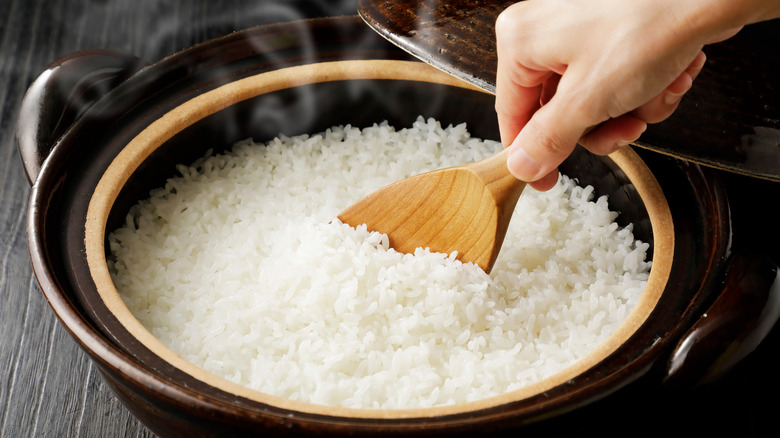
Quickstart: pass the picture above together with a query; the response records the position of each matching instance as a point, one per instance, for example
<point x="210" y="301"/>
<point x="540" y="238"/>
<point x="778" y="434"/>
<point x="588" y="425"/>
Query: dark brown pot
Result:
<point x="99" y="129"/>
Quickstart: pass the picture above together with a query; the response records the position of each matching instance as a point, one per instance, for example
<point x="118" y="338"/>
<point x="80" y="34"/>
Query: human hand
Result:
<point x="591" y="71"/>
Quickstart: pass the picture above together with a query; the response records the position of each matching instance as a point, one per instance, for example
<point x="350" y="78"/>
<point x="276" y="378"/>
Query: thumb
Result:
<point x="543" y="143"/>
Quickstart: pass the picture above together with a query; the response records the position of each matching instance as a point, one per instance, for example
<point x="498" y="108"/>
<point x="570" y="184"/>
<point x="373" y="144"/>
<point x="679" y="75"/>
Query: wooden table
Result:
<point x="48" y="387"/>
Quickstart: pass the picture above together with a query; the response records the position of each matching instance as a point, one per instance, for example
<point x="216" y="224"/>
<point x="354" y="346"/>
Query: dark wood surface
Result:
<point x="48" y="387"/>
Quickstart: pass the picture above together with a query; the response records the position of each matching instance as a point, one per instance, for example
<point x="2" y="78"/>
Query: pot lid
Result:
<point x="729" y="120"/>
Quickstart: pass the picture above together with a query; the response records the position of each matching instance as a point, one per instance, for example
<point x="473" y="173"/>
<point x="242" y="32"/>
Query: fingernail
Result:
<point x="521" y="165"/>
<point x="672" y="98"/>
<point x="625" y="142"/>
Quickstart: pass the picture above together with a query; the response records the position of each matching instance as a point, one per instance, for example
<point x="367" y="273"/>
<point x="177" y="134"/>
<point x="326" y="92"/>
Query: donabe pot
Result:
<point x="99" y="129"/>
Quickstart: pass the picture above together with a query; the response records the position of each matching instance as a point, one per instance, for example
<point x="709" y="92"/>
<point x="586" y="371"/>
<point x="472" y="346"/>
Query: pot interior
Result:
<point x="309" y="99"/>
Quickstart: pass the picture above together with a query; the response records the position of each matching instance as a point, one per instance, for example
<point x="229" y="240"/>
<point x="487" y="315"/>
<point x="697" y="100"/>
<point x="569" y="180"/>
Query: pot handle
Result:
<point x="733" y="326"/>
<point x="60" y="96"/>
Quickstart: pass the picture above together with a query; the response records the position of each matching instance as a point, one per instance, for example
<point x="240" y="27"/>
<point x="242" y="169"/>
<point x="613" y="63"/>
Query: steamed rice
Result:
<point x="238" y="266"/>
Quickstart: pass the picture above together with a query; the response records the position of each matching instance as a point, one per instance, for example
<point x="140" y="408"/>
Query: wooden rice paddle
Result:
<point x="464" y="208"/>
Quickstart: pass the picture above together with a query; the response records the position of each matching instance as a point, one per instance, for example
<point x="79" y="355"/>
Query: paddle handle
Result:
<point x="504" y="187"/>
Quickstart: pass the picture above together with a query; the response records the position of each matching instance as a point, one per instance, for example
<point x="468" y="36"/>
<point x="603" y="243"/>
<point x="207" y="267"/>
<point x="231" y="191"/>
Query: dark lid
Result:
<point x="729" y="120"/>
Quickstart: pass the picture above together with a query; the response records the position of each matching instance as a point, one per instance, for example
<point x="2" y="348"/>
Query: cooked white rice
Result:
<point x="238" y="266"/>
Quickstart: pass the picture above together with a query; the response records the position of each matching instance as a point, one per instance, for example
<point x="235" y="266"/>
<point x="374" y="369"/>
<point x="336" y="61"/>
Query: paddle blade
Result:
<point x="445" y="210"/>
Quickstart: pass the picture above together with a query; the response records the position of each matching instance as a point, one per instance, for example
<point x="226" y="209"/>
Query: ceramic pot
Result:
<point x="99" y="129"/>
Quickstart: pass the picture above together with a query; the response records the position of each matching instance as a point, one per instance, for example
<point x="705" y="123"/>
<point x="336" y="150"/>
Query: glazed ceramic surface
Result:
<point x="67" y="161"/>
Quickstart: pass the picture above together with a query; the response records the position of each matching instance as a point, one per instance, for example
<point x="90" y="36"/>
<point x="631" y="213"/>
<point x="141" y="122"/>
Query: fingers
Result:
<point x="545" y="141"/>
<point x="546" y="182"/>
<point x="518" y="91"/>
<point x="551" y="86"/>
<point x="519" y="80"/>
<point x="614" y="134"/>
<point x="665" y="103"/>
<point x="514" y="107"/>
<point x="724" y="35"/>
<point x="546" y="137"/>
